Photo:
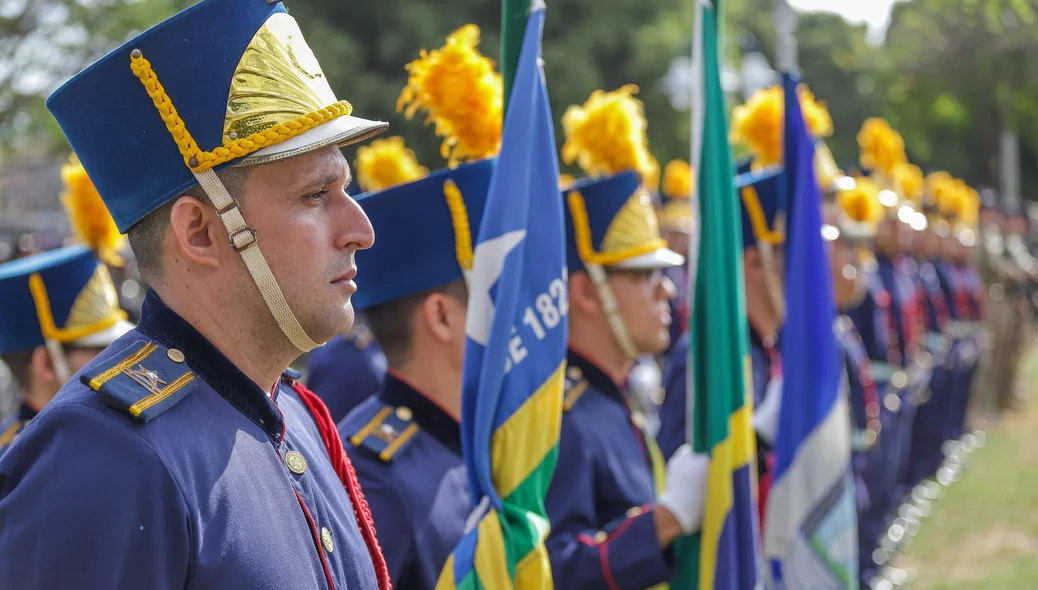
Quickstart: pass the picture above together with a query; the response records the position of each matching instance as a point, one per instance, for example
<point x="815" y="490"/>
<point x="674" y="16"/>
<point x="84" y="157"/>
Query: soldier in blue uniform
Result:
<point x="763" y="240"/>
<point x="676" y="226"/>
<point x="59" y="309"/>
<point x="347" y="370"/>
<point x="851" y="218"/>
<point x="406" y="440"/>
<point x="181" y="456"/>
<point x="964" y="290"/>
<point x="615" y="508"/>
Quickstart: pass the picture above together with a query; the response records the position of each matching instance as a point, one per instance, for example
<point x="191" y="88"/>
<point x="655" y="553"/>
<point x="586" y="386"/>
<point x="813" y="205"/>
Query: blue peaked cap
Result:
<point x="218" y="61"/>
<point x="620" y="222"/>
<point x="72" y="278"/>
<point x="761" y="187"/>
<point x="415" y="247"/>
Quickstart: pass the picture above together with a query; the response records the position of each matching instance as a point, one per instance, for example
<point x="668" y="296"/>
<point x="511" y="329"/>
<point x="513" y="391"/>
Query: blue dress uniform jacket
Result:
<point x="601" y="499"/>
<point x="209" y="483"/>
<point x="407" y="454"/>
<point x="347" y="370"/>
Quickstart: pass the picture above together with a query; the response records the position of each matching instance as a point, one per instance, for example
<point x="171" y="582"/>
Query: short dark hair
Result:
<point x="20" y="364"/>
<point x="391" y="322"/>
<point x="146" y="235"/>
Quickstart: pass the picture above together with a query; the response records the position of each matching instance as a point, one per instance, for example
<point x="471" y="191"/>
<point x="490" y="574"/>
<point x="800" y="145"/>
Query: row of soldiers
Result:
<point x="183" y="456"/>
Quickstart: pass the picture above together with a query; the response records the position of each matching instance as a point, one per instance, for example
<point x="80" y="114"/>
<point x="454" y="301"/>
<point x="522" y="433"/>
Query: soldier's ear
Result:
<point x="583" y="296"/>
<point x="443" y="316"/>
<point x="43" y="371"/>
<point x="198" y="234"/>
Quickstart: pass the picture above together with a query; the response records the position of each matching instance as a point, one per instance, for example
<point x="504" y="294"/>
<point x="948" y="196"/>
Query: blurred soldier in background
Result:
<point x="59" y="309"/>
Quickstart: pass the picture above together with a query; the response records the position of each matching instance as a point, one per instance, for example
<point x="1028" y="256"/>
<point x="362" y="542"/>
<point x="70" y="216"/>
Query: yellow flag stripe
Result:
<point x="446" y="579"/>
<point x="491" y="559"/>
<point x="727" y="456"/>
<point x="521" y="443"/>
<point x="534" y="570"/>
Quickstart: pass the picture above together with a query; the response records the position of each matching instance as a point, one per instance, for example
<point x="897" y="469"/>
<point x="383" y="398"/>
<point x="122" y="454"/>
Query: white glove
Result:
<point x="766" y="416"/>
<point x="472" y="521"/>
<point x="686" y="488"/>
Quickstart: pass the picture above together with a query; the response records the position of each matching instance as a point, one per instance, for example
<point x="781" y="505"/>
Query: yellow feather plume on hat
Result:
<point x="861" y="203"/>
<point x="90" y="219"/>
<point x="908" y="180"/>
<point x="461" y="94"/>
<point x="606" y="135"/>
<point x="386" y="162"/>
<point x="816" y="115"/>
<point x="944" y="193"/>
<point x="758" y="124"/>
<point x="882" y="148"/>
<point x="970" y="212"/>
<point x="677" y="180"/>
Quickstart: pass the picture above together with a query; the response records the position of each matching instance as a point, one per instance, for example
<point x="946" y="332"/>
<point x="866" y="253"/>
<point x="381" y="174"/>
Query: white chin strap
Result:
<point x="612" y="310"/>
<point x="771" y="279"/>
<point x="243" y="240"/>
<point x="57" y="356"/>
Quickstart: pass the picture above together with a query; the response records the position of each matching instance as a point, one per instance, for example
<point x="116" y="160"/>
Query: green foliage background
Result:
<point x="950" y="75"/>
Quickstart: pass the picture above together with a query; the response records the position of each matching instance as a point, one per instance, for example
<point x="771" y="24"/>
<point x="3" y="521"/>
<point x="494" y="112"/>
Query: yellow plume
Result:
<point x="606" y="135"/>
<point x="861" y="203"/>
<point x="461" y="95"/>
<point x="816" y="115"/>
<point x="970" y="213"/>
<point x="881" y="147"/>
<point x="944" y="193"/>
<point x="90" y="219"/>
<point x="908" y="179"/>
<point x="759" y="123"/>
<point x="677" y="180"/>
<point x="386" y="162"/>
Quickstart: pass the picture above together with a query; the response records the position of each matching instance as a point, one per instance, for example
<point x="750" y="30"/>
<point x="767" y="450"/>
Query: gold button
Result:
<point x="634" y="512"/>
<point x="404" y="413"/>
<point x="600" y="537"/>
<point x="899" y="380"/>
<point x="326" y="539"/>
<point x="175" y="355"/>
<point x="295" y="462"/>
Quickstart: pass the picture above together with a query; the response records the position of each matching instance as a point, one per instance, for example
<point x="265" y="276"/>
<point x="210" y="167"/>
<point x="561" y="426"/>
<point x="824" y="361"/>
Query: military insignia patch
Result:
<point x="383" y="429"/>
<point x="142" y="381"/>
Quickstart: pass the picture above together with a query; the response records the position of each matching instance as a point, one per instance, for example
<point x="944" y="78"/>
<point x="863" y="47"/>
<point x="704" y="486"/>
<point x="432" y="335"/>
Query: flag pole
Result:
<point x="513" y="26"/>
<point x="695" y="159"/>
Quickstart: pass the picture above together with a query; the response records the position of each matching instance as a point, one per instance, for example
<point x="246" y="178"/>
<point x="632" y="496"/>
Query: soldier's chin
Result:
<point x="331" y="324"/>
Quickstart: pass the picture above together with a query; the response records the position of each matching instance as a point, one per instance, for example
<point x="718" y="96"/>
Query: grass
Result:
<point x="984" y="532"/>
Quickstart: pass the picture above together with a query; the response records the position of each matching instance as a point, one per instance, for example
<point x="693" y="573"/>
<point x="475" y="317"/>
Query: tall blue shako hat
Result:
<point x="66" y="297"/>
<point x="759" y="125"/>
<point x="610" y="218"/>
<point x="426" y="223"/>
<point x="223" y="83"/>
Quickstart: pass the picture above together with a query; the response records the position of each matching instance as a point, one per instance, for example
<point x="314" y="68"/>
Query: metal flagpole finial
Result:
<point x="785" y="26"/>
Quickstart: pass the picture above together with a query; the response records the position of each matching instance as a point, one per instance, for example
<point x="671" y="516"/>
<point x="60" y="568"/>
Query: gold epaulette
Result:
<point x="8" y="435"/>
<point x="381" y="429"/>
<point x="576" y="385"/>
